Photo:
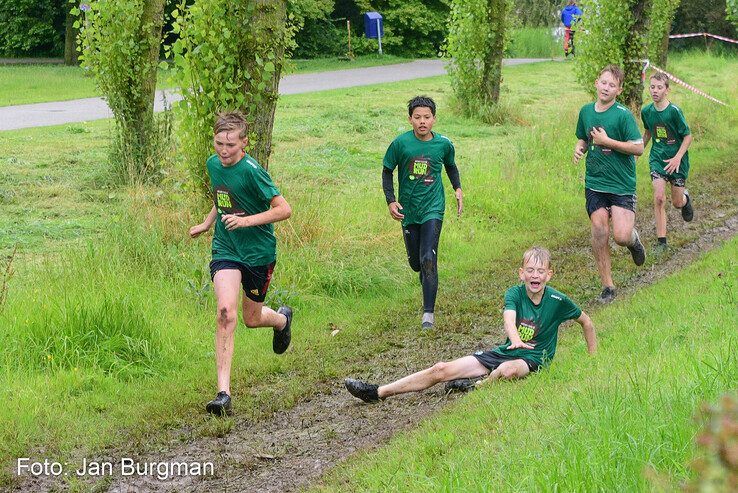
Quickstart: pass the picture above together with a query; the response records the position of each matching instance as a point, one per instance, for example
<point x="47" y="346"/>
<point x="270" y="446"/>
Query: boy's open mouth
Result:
<point x="535" y="284"/>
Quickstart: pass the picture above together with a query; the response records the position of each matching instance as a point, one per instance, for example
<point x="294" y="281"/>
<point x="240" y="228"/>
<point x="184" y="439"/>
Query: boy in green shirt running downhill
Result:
<point x="609" y="135"/>
<point x="246" y="203"/>
<point x="669" y="159"/>
<point x="532" y="315"/>
<point x="419" y="155"/>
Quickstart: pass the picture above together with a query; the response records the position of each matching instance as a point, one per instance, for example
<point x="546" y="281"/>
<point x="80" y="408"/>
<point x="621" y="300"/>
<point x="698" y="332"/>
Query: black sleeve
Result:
<point x="453" y="174"/>
<point x="388" y="185"/>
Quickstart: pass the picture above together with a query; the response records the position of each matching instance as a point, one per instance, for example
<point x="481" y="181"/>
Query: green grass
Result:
<point x="107" y="330"/>
<point x="24" y="84"/>
<point x="602" y="423"/>
<point x="533" y="42"/>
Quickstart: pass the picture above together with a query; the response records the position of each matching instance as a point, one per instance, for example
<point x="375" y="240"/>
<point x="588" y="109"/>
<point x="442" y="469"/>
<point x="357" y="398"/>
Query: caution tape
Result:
<point x="684" y="84"/>
<point x="704" y="35"/>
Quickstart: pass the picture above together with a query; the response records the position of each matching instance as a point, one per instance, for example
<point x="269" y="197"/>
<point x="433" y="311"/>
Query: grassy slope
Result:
<point x="326" y="157"/>
<point x="602" y="423"/>
<point x="24" y="84"/>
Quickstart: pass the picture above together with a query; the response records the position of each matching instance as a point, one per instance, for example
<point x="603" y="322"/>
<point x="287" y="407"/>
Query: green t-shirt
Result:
<point x="609" y="170"/>
<point x="243" y="189"/>
<point x="668" y="129"/>
<point x="419" y="174"/>
<point x="538" y="324"/>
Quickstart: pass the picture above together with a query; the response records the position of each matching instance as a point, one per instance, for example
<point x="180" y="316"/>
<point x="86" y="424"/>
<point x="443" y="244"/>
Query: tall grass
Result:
<point x="534" y="42"/>
<point x="602" y="423"/>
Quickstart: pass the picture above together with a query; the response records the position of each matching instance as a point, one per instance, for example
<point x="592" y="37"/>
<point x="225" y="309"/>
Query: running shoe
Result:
<point x="367" y="392"/>
<point x="637" y="250"/>
<point x="221" y="405"/>
<point x="687" y="210"/>
<point x="281" y="338"/>
<point x="607" y="295"/>
<point x="462" y="384"/>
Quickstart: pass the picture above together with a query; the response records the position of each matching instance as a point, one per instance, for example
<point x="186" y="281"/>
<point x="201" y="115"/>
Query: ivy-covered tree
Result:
<point x="731" y="9"/>
<point x="71" y="31"/>
<point x="120" y="47"/>
<point x="476" y="42"/>
<point x="658" y="35"/>
<point x="614" y="31"/>
<point x="229" y="55"/>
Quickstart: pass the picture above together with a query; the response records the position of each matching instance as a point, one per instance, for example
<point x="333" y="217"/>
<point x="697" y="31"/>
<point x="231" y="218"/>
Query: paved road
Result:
<point x="79" y="110"/>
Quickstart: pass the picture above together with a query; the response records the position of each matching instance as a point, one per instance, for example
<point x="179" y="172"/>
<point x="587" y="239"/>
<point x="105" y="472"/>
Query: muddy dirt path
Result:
<point x="293" y="449"/>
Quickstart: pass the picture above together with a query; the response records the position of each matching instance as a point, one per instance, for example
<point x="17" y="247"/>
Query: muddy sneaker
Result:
<point x="281" y="338"/>
<point x="462" y="384"/>
<point x="367" y="392"/>
<point x="637" y="251"/>
<point x="427" y="321"/>
<point x="607" y="295"/>
<point x="687" y="210"/>
<point x="221" y="405"/>
<point x="660" y="249"/>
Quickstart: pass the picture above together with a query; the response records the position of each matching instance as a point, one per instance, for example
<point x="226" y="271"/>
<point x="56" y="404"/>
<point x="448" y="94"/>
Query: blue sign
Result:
<point x="373" y="25"/>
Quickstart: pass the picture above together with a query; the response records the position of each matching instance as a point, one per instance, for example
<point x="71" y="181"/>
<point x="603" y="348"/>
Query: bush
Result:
<point x="320" y="38"/>
<point x="32" y="27"/>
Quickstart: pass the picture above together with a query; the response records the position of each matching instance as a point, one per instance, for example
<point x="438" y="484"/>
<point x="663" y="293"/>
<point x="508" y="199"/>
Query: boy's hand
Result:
<point x="578" y="153"/>
<point x="232" y="221"/>
<point x="599" y="136"/>
<point x="394" y="210"/>
<point x="519" y="345"/>
<point x="459" y="202"/>
<point x="672" y="165"/>
<point x="196" y="231"/>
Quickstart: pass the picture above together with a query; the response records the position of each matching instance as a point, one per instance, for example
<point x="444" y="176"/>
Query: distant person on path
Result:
<point x="609" y="135"/>
<point x="532" y="315"/>
<point x="246" y="203"/>
<point x="570" y="15"/>
<point x="419" y="155"/>
<point x="669" y="159"/>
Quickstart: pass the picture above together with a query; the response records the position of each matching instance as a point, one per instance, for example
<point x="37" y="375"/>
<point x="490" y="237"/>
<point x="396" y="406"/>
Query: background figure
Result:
<point x="569" y="16"/>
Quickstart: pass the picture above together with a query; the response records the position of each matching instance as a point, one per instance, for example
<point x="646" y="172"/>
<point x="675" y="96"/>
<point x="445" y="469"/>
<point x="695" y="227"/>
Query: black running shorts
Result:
<point x="255" y="280"/>
<point x="599" y="200"/>
<point x="492" y="359"/>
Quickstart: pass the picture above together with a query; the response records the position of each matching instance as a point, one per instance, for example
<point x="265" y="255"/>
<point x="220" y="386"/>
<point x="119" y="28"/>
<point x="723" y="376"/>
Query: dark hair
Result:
<point x="616" y="72"/>
<point x="228" y="121"/>
<point x="421" y="102"/>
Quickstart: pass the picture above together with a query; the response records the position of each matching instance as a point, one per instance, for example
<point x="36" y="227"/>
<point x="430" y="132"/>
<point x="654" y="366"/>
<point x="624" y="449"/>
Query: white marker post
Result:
<point x="379" y="35"/>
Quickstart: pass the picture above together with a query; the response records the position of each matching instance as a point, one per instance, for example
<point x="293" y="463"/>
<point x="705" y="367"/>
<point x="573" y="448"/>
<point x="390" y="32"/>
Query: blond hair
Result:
<point x="537" y="254"/>
<point x="230" y="121"/>
<point x="615" y="71"/>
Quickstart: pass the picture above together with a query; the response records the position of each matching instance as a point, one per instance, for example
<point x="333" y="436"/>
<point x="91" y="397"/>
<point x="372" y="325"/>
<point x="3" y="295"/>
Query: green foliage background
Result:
<point x="31" y="27"/>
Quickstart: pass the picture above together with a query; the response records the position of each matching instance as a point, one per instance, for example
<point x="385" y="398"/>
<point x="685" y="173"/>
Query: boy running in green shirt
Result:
<point x="246" y="203"/>
<point x="419" y="155"/>
<point x="669" y="159"/>
<point x="532" y="315"/>
<point x="609" y="135"/>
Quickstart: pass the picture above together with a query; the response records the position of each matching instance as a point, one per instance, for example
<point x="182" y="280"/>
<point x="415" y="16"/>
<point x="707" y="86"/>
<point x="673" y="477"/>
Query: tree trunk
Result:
<point x="634" y="53"/>
<point x="492" y="62"/>
<point x="71" y="56"/>
<point x="266" y="45"/>
<point x="140" y="118"/>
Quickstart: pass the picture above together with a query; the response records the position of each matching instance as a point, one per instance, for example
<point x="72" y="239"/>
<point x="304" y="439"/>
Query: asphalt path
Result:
<point x="88" y="109"/>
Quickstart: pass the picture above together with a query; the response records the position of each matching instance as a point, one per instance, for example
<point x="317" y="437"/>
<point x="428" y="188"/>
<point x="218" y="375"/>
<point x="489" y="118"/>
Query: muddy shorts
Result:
<point x="255" y="280"/>
<point x="492" y="359"/>
<point x="599" y="200"/>
<point x="676" y="181"/>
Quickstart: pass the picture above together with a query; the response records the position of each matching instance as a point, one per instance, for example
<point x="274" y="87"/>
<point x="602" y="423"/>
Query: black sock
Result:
<point x="662" y="240"/>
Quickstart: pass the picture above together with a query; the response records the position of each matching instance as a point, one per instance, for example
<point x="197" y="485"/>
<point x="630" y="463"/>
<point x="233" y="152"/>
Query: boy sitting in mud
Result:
<point x="532" y="315"/>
